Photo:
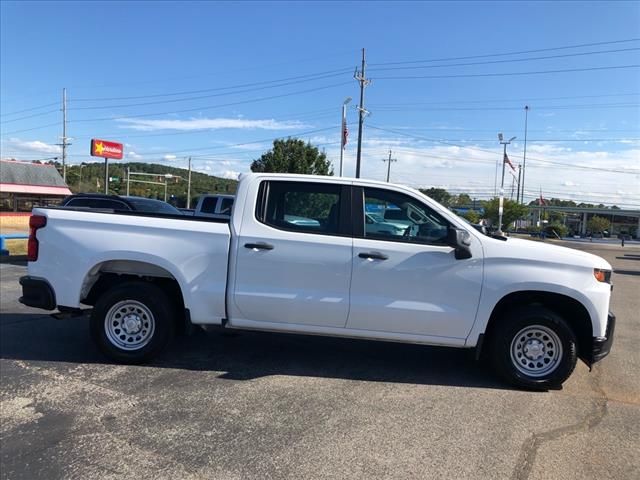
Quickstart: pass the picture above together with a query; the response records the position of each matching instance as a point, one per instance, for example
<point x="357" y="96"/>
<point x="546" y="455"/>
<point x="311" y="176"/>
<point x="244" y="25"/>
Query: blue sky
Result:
<point x="219" y="81"/>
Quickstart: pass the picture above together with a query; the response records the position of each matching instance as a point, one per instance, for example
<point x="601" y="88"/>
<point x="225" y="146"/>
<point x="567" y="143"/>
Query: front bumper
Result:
<point x="602" y="345"/>
<point x="37" y="293"/>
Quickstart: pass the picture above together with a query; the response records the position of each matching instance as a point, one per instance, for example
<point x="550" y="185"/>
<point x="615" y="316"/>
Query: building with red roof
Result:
<point x="24" y="185"/>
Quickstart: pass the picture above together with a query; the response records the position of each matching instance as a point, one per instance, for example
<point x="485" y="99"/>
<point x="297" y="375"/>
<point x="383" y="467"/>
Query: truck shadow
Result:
<point x="250" y="355"/>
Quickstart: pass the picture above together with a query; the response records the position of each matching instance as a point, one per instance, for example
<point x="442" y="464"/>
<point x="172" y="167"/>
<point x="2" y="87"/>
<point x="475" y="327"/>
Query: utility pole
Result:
<point x="128" y="176"/>
<point x="364" y="82"/>
<point x="524" y="158"/>
<point x="64" y="135"/>
<point x="389" y="160"/>
<point x="189" y="186"/>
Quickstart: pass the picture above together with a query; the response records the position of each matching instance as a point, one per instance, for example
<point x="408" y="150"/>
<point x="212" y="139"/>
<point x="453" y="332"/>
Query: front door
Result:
<point x="294" y="263"/>
<point x="405" y="277"/>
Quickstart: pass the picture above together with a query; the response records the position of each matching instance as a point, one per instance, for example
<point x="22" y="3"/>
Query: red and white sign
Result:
<point x="106" y="149"/>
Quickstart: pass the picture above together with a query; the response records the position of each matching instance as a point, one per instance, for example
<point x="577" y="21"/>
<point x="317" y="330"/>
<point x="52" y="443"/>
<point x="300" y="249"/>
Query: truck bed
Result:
<point x="79" y="244"/>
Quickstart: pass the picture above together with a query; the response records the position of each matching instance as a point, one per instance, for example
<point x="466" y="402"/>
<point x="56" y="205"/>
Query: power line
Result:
<point x="566" y="47"/>
<point x="494" y="153"/>
<point x="231" y="87"/>
<point x="209" y="107"/>
<point x="542" y="107"/>
<point x="48" y="112"/>
<point x="30" y="129"/>
<point x="28" y="109"/>
<point x="529" y="99"/>
<point x="513" y="60"/>
<point x="509" y="74"/>
<point x="200" y="97"/>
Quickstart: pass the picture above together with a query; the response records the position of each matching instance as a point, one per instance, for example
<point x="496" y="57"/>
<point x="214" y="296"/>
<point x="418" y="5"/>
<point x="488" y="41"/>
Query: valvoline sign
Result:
<point x="106" y="149"/>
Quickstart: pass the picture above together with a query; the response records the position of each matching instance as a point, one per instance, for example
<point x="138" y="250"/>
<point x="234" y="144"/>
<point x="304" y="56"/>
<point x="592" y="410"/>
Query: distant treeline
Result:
<point x="92" y="180"/>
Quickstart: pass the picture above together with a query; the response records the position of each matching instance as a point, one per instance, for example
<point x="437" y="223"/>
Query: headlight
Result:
<point x="603" y="276"/>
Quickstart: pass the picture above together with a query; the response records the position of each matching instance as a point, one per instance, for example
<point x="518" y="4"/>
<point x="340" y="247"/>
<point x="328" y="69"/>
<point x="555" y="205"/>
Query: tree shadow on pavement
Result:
<point x="249" y="355"/>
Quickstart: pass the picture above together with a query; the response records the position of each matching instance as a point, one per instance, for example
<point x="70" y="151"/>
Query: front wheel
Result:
<point x="132" y="322"/>
<point x="533" y="347"/>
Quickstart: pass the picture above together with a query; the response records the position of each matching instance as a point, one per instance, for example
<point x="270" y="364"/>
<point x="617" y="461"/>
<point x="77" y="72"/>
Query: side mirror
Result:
<point x="460" y="240"/>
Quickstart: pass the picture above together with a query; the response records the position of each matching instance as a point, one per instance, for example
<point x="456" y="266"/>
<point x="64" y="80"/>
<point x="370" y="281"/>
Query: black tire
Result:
<point x="533" y="348"/>
<point x="141" y="322"/>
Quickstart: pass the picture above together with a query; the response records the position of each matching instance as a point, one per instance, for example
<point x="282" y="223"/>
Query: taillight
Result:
<point x="35" y="222"/>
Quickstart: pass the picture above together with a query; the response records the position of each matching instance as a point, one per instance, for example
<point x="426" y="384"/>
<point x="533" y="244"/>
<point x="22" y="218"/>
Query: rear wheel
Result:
<point x="533" y="347"/>
<point x="132" y="322"/>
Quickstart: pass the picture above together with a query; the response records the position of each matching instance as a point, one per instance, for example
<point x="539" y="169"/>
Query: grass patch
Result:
<point x="16" y="247"/>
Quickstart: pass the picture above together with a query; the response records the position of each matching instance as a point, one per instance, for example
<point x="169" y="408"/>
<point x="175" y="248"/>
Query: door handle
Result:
<point x="373" y="255"/>
<point x="259" y="246"/>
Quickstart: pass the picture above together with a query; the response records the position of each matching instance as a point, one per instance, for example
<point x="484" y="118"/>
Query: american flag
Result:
<point x="345" y="134"/>
<point x="508" y="162"/>
<point x="541" y="200"/>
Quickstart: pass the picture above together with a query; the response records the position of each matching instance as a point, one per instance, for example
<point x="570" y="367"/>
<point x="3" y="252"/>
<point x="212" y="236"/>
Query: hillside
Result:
<point x="93" y="181"/>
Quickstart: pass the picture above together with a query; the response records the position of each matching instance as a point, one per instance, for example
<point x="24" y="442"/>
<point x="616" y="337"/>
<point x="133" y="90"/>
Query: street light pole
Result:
<point x="343" y="130"/>
<point x="524" y="157"/>
<point x="189" y="185"/>
<point x="80" y="179"/>
<point x="504" y="160"/>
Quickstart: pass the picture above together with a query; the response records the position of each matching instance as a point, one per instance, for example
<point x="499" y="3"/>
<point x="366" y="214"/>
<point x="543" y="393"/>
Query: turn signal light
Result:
<point x="603" y="276"/>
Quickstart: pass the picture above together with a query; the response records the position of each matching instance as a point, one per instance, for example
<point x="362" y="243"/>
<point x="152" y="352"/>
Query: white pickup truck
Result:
<point x="299" y="256"/>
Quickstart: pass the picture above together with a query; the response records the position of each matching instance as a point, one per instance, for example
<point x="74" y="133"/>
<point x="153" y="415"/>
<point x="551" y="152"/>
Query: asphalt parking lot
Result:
<point x="223" y="405"/>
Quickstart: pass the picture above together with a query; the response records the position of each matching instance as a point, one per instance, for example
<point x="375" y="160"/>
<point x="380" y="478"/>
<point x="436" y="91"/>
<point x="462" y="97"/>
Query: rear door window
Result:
<point x="303" y="207"/>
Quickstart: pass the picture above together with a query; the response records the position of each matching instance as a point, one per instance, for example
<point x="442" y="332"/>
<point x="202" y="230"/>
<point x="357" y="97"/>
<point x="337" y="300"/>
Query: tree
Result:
<point x="598" y="224"/>
<point x="293" y="156"/>
<point x="440" y="195"/>
<point x="462" y="200"/>
<point x="512" y="211"/>
<point x="472" y="216"/>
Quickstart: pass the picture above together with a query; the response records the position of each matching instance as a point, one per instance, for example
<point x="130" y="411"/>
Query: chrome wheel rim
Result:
<point x="129" y="325"/>
<point x="536" y="351"/>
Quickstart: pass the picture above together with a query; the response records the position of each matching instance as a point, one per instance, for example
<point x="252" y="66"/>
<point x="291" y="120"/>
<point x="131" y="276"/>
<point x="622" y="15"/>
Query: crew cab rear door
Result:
<point x="293" y="259"/>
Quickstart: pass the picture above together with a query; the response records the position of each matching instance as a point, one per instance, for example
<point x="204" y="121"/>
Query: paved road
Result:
<point x="250" y="405"/>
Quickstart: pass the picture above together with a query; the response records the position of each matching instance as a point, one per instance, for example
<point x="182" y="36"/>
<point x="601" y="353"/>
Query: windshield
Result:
<point x="152" y="206"/>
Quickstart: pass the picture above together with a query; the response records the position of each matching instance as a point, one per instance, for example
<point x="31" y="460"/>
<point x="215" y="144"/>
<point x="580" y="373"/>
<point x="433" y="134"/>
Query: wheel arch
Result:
<point x="107" y="274"/>
<point x="572" y="310"/>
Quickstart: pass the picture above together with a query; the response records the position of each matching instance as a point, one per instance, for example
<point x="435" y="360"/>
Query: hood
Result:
<point x="528" y="249"/>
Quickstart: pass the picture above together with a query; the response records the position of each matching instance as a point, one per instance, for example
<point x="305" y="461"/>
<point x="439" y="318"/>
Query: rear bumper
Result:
<point x="37" y="293"/>
<point x="602" y="345"/>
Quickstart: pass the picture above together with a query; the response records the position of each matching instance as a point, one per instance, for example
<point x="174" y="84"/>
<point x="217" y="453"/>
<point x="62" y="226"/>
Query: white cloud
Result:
<point x="34" y="146"/>
<point x="230" y="174"/>
<point x="134" y="156"/>
<point x="209" y="124"/>
<point x="169" y="157"/>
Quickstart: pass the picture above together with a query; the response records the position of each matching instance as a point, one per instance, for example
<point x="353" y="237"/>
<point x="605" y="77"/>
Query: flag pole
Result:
<point x="343" y="130"/>
<point x="504" y="161"/>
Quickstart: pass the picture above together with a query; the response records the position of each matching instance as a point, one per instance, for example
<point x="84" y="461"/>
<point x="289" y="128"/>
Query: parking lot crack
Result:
<point x="531" y="446"/>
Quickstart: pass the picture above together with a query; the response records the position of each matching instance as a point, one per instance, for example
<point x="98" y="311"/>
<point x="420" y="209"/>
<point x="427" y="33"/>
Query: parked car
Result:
<point x="116" y="202"/>
<point x="532" y="308"/>
<point x="214" y="206"/>
<point x="375" y="223"/>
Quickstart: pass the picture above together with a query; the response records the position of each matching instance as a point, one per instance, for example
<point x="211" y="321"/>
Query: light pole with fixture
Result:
<point x="504" y="160"/>
<point x="343" y="130"/>
<point x="82" y="165"/>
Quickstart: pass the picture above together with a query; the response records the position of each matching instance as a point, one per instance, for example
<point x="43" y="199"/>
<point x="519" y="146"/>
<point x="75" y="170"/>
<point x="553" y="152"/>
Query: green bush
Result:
<point x="560" y="229"/>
